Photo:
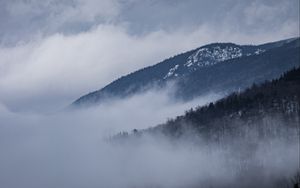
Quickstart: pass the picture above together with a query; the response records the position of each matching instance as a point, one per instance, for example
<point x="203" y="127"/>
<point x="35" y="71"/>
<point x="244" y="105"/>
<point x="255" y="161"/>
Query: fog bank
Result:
<point x="70" y="149"/>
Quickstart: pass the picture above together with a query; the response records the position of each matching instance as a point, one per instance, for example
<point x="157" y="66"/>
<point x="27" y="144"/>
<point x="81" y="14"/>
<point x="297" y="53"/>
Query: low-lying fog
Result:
<point x="69" y="149"/>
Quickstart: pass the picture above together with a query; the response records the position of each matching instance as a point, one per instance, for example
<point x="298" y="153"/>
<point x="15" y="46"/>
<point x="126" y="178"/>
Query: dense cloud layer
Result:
<point x="68" y="148"/>
<point x="71" y="149"/>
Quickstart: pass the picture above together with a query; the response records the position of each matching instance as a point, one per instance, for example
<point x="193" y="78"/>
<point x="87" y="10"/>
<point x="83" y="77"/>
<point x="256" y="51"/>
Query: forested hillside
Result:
<point x="255" y="133"/>
<point x="279" y="99"/>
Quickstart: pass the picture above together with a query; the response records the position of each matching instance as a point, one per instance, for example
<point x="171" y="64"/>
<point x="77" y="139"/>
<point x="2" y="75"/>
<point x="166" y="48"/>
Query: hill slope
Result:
<point x="215" y="67"/>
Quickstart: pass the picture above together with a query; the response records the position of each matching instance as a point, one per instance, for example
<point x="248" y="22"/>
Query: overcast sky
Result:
<point x="53" y="51"/>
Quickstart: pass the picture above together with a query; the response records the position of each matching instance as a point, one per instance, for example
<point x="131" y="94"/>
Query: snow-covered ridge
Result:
<point x="205" y="57"/>
<point x="211" y="56"/>
<point x="208" y="56"/>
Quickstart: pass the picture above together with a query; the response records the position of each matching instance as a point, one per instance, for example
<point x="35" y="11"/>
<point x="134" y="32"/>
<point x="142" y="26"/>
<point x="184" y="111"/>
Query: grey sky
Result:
<point x="246" y="16"/>
<point x="23" y="19"/>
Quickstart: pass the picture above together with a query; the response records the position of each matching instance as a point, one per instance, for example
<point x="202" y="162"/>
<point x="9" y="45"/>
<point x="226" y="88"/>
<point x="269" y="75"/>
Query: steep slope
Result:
<point x="205" y="66"/>
<point x="279" y="98"/>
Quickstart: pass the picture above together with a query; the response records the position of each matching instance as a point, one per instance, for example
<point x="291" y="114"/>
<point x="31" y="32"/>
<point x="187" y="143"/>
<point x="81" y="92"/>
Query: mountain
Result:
<point x="215" y="67"/>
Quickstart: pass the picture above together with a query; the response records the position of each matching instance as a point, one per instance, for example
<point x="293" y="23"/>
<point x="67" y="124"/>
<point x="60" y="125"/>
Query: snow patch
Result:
<point x="211" y="56"/>
<point x="171" y="72"/>
<point x="259" y="51"/>
<point x="208" y="56"/>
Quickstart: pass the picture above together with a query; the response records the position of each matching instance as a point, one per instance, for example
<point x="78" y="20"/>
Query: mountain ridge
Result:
<point x="179" y="67"/>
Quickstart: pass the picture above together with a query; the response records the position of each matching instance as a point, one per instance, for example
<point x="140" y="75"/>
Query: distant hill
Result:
<point x="218" y="67"/>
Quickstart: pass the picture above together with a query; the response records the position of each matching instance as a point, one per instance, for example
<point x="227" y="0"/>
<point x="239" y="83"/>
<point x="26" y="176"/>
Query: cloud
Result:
<point x="67" y="149"/>
<point x="25" y="20"/>
<point x="73" y="65"/>
<point x="258" y="14"/>
<point x="66" y="11"/>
